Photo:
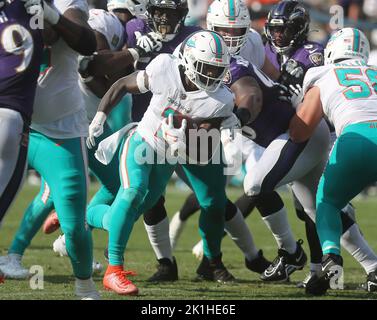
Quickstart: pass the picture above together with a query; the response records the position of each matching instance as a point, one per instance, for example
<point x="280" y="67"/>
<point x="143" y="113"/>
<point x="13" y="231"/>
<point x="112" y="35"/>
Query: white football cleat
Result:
<point x="175" y="229"/>
<point x="59" y="246"/>
<point x="86" y="290"/>
<point x="13" y="269"/>
<point x="4" y="259"/>
<point x="197" y="250"/>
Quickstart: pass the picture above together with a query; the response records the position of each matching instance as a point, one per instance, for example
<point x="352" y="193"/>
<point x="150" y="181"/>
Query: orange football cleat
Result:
<point x="51" y="223"/>
<point x="115" y="279"/>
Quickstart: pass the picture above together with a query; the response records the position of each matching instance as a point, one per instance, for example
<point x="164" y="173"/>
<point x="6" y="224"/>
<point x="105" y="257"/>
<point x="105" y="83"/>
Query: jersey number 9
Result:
<point x="17" y="40"/>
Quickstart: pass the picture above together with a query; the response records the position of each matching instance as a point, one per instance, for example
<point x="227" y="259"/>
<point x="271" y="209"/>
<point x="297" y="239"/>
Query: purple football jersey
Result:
<point x="274" y="118"/>
<point x="20" y="58"/>
<point x="308" y="55"/>
<point x="141" y="102"/>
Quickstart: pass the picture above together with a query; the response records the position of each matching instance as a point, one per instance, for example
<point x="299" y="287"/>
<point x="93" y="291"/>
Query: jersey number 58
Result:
<point x="360" y="84"/>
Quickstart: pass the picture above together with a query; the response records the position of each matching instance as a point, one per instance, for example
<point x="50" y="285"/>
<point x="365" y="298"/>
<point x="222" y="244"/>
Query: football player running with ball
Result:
<point x="191" y="87"/>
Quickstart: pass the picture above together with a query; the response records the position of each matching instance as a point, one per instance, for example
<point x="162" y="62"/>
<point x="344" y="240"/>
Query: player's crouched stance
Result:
<point x="189" y="87"/>
<point x="351" y="106"/>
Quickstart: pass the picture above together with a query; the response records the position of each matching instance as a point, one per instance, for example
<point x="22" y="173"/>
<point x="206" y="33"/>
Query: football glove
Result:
<point x="96" y="128"/>
<point x="176" y="138"/>
<point x="145" y="44"/>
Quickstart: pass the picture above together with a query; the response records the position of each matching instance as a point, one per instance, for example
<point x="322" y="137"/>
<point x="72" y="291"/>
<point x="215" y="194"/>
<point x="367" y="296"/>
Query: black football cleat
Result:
<point x="371" y="284"/>
<point x="332" y="266"/>
<point x="166" y="271"/>
<point x="259" y="264"/>
<point x="285" y="264"/>
<point x="213" y="270"/>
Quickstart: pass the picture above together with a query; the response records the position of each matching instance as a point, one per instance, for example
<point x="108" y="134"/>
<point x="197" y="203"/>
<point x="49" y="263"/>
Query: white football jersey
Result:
<point x="58" y="95"/>
<point x="348" y="92"/>
<point x="253" y="49"/>
<point x="109" y="26"/>
<point x="112" y="29"/>
<point x="169" y="96"/>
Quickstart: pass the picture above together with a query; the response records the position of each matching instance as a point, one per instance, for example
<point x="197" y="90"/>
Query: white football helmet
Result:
<point x="135" y="7"/>
<point x="206" y="59"/>
<point x="230" y="14"/>
<point x="347" y="43"/>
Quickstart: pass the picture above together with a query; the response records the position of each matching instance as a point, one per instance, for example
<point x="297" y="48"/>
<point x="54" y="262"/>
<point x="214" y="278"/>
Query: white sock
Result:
<point x="281" y="230"/>
<point x="356" y="245"/>
<point x="159" y="238"/>
<point x="175" y="229"/>
<point x="241" y="235"/>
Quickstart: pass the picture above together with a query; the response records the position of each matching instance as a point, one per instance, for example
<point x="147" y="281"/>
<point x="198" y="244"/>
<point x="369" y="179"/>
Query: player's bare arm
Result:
<point x="107" y="62"/>
<point x="98" y="84"/>
<point x="72" y="26"/>
<point x="135" y="83"/>
<point x="307" y="117"/>
<point x="248" y="98"/>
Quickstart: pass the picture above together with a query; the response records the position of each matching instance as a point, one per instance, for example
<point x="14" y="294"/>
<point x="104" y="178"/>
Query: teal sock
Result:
<point x="121" y="218"/>
<point x="329" y="227"/>
<point x="32" y="221"/>
<point x="211" y="228"/>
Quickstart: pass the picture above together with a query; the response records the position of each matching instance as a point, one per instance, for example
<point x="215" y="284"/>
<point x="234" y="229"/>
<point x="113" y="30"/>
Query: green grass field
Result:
<point x="58" y="279"/>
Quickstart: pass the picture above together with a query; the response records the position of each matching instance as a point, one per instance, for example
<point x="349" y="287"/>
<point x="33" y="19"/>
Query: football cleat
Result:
<point x="303" y="283"/>
<point x="13" y="269"/>
<point x="86" y="290"/>
<point x="1" y="277"/>
<point x="117" y="281"/>
<point x="197" y="250"/>
<point x="285" y="264"/>
<point x="371" y="283"/>
<point x="59" y="246"/>
<point x="259" y="264"/>
<point x="214" y="270"/>
<point x="166" y="271"/>
<point x="4" y="259"/>
<point x="51" y="223"/>
<point x="175" y="229"/>
<point x="332" y="266"/>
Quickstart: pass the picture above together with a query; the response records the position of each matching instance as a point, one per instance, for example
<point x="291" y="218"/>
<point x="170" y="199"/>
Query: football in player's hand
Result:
<point x="200" y="144"/>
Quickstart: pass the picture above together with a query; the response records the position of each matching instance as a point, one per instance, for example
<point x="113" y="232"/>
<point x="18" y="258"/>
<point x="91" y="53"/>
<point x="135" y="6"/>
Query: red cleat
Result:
<point x="51" y="223"/>
<point x="115" y="279"/>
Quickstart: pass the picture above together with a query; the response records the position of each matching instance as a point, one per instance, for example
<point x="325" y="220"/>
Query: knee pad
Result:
<point x="156" y="214"/>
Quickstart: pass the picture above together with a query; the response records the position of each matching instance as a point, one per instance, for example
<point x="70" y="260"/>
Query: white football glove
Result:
<point x="176" y="138"/>
<point x="147" y="43"/>
<point x="95" y="129"/>
<point x="293" y="68"/>
<point x="50" y="14"/>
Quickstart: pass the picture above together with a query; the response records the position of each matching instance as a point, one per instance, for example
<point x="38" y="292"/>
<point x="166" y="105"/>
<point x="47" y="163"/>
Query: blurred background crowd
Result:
<point x="361" y="14"/>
